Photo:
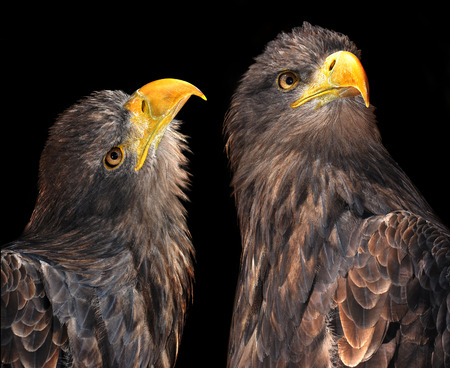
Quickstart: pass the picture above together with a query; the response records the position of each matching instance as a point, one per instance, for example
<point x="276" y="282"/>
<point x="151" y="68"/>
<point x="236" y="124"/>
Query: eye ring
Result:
<point x="287" y="80"/>
<point x="114" y="158"/>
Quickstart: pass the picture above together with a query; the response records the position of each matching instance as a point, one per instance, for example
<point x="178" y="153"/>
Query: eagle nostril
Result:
<point x="332" y="64"/>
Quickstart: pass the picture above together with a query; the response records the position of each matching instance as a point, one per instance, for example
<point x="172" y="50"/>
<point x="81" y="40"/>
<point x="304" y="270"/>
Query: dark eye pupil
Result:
<point x="114" y="155"/>
<point x="289" y="80"/>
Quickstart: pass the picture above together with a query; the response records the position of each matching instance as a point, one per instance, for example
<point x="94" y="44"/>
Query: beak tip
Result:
<point x="365" y="97"/>
<point x="200" y="94"/>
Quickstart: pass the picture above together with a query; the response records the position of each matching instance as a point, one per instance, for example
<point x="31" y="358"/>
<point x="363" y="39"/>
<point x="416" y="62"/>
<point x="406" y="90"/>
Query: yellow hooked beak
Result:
<point x="341" y="75"/>
<point x="153" y="107"/>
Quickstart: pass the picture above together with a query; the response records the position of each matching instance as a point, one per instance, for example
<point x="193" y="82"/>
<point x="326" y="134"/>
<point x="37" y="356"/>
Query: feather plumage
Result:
<point x="102" y="274"/>
<point x="349" y="262"/>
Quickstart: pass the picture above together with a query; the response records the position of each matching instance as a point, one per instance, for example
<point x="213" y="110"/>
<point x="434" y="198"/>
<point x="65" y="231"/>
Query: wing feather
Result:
<point x="31" y="336"/>
<point x="399" y="281"/>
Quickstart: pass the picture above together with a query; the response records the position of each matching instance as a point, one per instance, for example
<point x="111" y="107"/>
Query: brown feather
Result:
<point x="323" y="209"/>
<point x="104" y="269"/>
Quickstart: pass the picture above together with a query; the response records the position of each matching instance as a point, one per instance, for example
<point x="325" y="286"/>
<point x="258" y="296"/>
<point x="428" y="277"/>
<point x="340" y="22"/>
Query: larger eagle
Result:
<point x="102" y="275"/>
<point x="343" y="263"/>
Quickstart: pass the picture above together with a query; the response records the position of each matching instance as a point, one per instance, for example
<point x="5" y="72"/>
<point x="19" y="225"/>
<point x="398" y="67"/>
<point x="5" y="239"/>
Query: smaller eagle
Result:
<point x="102" y="274"/>
<point x="343" y="262"/>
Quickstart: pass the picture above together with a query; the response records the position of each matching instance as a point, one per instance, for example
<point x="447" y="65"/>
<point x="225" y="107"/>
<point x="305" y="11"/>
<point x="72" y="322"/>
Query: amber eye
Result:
<point x="287" y="80"/>
<point x="114" y="158"/>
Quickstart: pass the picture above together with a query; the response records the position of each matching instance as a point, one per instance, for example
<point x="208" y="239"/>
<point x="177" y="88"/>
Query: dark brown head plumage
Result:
<point x="311" y="179"/>
<point x="102" y="274"/>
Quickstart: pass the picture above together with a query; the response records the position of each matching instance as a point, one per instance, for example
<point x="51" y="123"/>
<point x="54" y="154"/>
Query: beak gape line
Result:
<point x="341" y="75"/>
<point x="153" y="107"/>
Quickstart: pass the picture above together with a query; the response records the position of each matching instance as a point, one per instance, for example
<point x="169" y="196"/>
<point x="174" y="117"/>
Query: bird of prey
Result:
<point x="102" y="274"/>
<point x="343" y="261"/>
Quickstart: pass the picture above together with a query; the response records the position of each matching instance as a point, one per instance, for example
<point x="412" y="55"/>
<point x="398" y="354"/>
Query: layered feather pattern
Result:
<point x="102" y="275"/>
<point x="326" y="278"/>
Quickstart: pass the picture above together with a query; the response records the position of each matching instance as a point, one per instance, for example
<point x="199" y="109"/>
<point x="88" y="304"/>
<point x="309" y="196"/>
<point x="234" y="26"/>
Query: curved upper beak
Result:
<point x="341" y="75"/>
<point x="153" y="107"/>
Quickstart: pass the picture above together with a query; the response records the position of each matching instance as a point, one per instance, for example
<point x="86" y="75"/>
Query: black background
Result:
<point x="53" y="56"/>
